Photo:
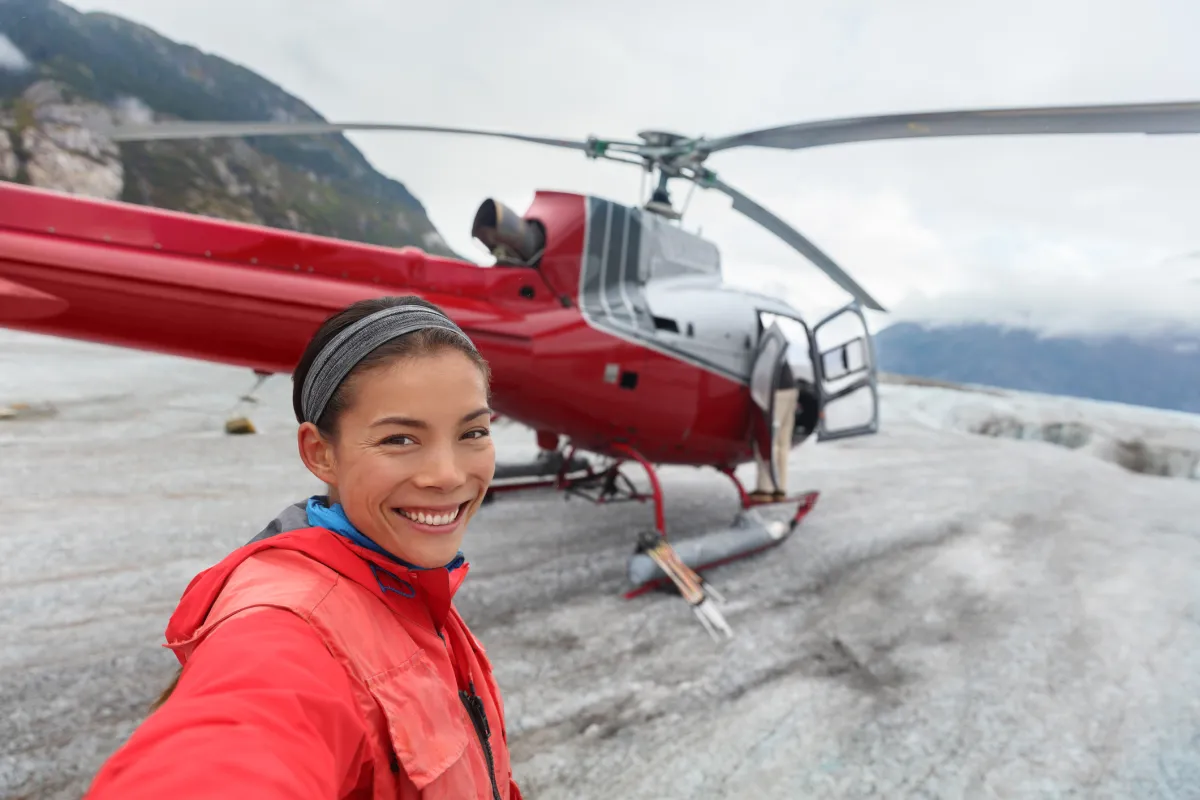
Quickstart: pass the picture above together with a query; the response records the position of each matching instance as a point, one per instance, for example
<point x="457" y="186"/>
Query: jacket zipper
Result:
<point x="478" y="717"/>
<point x="483" y="730"/>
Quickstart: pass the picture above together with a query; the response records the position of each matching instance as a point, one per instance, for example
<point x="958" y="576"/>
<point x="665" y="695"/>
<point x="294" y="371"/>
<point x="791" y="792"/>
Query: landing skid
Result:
<point x="748" y="535"/>
<point x="657" y="563"/>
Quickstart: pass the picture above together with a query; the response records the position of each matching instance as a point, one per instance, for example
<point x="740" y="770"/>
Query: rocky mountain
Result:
<point x="60" y="67"/>
<point x="1161" y="371"/>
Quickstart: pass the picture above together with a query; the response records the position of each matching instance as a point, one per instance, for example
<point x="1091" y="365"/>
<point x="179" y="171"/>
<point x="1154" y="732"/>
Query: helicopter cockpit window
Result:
<point x="669" y="252"/>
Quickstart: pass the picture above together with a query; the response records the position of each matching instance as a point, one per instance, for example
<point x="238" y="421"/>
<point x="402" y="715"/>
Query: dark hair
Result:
<point x="418" y="343"/>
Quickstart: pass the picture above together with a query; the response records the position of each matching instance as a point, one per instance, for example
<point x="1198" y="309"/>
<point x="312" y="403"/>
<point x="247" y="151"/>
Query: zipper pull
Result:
<point x="477" y="703"/>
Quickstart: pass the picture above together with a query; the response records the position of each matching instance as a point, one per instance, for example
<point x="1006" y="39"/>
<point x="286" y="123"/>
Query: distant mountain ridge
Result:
<point x="97" y="63"/>
<point x="1161" y="371"/>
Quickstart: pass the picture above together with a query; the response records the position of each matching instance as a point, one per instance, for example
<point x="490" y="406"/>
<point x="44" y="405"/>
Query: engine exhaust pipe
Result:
<point x="507" y="235"/>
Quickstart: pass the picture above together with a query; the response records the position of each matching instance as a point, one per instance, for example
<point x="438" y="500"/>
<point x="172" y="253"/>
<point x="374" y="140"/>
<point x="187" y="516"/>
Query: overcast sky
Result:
<point x="1093" y="230"/>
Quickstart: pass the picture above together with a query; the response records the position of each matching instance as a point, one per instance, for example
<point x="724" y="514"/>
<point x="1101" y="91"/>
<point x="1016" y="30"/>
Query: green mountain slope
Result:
<point x="89" y="64"/>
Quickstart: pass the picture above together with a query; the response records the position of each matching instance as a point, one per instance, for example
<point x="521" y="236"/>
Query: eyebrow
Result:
<point x="410" y="422"/>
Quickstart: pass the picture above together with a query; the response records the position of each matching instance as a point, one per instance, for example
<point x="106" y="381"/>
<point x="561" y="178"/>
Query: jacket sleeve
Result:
<point x="262" y="710"/>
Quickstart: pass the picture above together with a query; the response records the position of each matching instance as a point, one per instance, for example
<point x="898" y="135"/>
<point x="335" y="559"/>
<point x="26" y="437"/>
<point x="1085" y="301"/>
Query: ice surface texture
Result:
<point x="960" y="616"/>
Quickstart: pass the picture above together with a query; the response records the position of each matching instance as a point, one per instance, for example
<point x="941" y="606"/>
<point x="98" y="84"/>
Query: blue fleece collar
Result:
<point x="333" y="517"/>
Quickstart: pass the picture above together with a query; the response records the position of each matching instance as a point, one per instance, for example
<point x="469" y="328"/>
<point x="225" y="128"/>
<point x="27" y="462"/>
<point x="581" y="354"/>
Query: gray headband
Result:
<point x="344" y="351"/>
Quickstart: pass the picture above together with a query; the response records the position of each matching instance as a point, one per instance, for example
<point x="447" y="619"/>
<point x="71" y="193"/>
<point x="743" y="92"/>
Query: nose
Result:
<point x="440" y="468"/>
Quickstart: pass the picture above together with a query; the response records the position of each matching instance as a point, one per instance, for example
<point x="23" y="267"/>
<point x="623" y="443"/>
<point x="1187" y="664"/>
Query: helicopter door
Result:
<point x="845" y="375"/>
<point x="764" y="382"/>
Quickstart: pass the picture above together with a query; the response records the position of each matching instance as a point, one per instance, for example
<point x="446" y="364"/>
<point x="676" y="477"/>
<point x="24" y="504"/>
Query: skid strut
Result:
<point x="700" y="595"/>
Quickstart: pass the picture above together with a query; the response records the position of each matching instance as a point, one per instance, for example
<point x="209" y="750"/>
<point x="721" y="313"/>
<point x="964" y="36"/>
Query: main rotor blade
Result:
<point x="775" y="225"/>
<point x="211" y="130"/>
<point x="1148" y="118"/>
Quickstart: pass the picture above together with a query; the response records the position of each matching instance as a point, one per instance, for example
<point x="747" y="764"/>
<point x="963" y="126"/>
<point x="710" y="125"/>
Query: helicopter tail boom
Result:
<point x="19" y="302"/>
<point x="181" y="284"/>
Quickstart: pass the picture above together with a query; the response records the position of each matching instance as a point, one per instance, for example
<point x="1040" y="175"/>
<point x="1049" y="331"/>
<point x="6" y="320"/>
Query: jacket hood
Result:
<point x="391" y="582"/>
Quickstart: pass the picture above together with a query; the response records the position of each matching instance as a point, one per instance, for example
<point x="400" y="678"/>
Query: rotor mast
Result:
<point x="660" y="199"/>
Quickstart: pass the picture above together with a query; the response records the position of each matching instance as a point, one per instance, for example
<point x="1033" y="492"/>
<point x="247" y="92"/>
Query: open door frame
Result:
<point x="823" y="360"/>
<point x="764" y="382"/>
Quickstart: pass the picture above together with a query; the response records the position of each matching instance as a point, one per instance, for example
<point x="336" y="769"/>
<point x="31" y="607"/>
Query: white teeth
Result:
<point x="431" y="519"/>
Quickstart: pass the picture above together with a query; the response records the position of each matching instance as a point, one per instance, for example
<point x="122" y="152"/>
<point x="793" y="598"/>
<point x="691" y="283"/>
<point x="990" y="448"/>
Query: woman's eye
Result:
<point x="397" y="439"/>
<point x="477" y="434"/>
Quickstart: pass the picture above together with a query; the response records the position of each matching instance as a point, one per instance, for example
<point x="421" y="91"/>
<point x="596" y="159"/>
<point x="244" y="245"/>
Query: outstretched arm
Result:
<point x="262" y="710"/>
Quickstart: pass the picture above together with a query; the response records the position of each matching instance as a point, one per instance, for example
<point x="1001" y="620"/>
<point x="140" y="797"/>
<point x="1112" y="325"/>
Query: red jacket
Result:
<point x="314" y="668"/>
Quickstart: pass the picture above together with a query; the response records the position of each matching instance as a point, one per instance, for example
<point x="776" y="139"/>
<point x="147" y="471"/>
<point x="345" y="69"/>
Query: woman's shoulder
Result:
<point x="280" y="577"/>
<point x="266" y="637"/>
<point x="254" y="576"/>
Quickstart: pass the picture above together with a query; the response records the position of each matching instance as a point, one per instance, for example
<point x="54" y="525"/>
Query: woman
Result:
<point x="325" y="659"/>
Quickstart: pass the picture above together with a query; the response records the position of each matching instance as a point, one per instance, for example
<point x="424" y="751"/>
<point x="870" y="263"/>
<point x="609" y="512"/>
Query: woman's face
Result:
<point x="413" y="455"/>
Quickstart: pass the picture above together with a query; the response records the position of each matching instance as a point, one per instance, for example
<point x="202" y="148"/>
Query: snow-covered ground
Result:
<point x="1145" y="440"/>
<point x="960" y="616"/>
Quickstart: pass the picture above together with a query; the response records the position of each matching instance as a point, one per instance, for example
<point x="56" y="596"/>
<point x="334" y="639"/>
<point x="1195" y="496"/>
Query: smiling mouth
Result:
<point x="433" y="517"/>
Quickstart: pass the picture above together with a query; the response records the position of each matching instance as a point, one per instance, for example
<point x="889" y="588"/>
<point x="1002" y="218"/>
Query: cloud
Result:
<point x="876" y="236"/>
<point x="11" y="57"/>
<point x="985" y="217"/>
<point x="1161" y="298"/>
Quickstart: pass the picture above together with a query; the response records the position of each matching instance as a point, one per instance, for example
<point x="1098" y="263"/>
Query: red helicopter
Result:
<point x="609" y="328"/>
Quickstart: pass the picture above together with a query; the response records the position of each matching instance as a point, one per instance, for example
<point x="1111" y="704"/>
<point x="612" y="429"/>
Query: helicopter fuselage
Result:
<point x="623" y="332"/>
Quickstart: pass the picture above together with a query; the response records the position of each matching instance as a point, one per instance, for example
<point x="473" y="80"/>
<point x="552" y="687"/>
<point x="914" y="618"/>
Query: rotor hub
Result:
<point x="661" y="138"/>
